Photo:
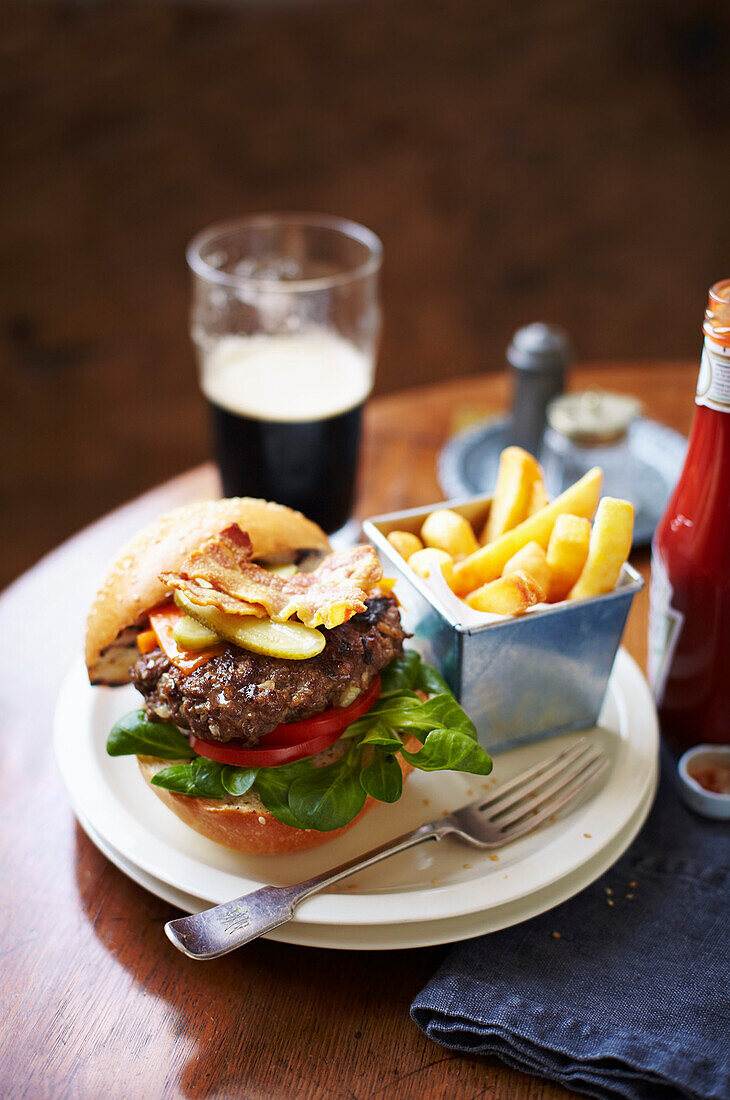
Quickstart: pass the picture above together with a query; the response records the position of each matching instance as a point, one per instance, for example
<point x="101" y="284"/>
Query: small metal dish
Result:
<point x="519" y="678"/>
<point x="697" y="797"/>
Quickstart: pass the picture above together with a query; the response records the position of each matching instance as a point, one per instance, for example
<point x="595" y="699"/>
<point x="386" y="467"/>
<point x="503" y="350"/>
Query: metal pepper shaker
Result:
<point x="539" y="356"/>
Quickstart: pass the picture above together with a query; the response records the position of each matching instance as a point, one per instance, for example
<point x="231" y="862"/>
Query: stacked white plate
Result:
<point x="434" y="893"/>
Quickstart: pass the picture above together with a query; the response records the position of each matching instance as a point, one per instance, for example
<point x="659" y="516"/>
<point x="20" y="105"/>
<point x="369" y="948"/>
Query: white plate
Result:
<point x="390" y="937"/>
<point x="431" y="882"/>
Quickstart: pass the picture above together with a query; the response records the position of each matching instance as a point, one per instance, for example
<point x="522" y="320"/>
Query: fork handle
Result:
<point x="223" y="928"/>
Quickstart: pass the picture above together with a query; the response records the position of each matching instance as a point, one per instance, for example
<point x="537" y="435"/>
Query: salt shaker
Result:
<point x="539" y="355"/>
<point x="592" y="429"/>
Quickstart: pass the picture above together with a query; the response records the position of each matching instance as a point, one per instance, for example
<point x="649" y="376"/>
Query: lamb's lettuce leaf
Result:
<point x="328" y="798"/>
<point x="449" y="750"/>
<point x="382" y="778"/>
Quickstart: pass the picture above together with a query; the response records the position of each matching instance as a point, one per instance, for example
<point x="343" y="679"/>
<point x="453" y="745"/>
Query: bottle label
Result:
<point x="665" y="626"/>
<point x="713" y="383"/>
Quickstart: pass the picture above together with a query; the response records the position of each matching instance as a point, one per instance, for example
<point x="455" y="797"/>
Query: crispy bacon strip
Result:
<point x="220" y="573"/>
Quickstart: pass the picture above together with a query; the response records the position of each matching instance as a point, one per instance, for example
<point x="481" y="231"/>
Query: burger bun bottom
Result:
<point x="243" y="823"/>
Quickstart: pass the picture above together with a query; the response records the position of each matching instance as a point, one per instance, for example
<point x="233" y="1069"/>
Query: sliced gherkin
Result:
<point x="284" y="571"/>
<point x="292" y="640"/>
<point x="190" y="634"/>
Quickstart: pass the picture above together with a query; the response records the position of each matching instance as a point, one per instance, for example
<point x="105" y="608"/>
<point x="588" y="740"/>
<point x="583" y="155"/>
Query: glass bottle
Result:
<point x="689" y="618"/>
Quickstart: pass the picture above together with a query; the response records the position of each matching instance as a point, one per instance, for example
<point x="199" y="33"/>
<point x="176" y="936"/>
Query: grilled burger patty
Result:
<point x="245" y="695"/>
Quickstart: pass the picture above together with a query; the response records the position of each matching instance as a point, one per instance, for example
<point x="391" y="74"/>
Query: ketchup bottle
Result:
<point x="689" y="617"/>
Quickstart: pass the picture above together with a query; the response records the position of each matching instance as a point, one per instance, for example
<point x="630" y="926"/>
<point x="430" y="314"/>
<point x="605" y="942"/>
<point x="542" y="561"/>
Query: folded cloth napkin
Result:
<point x="621" y="991"/>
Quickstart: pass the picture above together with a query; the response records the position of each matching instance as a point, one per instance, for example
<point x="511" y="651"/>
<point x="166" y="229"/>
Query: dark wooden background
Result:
<point x="558" y="159"/>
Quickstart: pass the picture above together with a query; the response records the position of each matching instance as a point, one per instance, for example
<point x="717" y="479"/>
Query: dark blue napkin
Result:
<point x="621" y="991"/>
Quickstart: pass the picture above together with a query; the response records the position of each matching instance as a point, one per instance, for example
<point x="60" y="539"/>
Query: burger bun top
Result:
<point x="132" y="585"/>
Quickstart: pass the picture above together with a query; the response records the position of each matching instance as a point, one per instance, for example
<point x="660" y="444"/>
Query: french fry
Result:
<point x="510" y="595"/>
<point x="609" y="548"/>
<point x="424" y="561"/>
<point x="531" y="559"/>
<point x="447" y="530"/>
<point x="538" y="497"/>
<point x="405" y="543"/>
<point x="518" y="470"/>
<point x="487" y="563"/>
<point x="566" y="554"/>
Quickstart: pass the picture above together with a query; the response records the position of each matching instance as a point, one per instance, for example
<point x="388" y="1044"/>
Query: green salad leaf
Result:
<point x="402" y="672"/>
<point x="409" y="671"/>
<point x="136" y="735"/>
<point x="325" y="798"/>
<point x="382" y="778"/>
<point x="449" y="750"/>
<point x="432" y="682"/>
<point x="200" y="778"/>
<point x="383" y="736"/>
<point x="443" y="712"/>
<point x="273" y="785"/>
<point x="177" y="778"/>
<point x="237" y="780"/>
<point x="404" y="711"/>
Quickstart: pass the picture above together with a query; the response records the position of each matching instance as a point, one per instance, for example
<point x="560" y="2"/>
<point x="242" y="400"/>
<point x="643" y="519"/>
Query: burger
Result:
<point x="278" y="701"/>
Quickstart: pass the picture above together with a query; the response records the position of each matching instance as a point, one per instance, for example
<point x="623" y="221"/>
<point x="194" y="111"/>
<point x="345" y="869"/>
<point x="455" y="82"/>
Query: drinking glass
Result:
<point x="285" y="319"/>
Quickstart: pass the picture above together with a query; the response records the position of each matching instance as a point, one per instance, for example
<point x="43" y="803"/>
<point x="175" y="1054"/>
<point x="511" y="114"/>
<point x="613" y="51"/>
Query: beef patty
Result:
<point x="246" y="695"/>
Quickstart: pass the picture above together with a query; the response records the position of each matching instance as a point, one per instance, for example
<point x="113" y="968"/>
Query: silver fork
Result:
<point x="510" y="811"/>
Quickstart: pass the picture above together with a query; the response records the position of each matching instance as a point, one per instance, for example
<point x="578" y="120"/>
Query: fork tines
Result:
<point x="544" y="789"/>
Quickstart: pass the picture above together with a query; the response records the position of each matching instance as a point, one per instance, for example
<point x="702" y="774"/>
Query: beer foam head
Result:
<point x="298" y="377"/>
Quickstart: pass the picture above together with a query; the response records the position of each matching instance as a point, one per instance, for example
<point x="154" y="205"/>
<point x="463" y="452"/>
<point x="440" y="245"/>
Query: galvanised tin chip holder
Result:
<point x="518" y="678"/>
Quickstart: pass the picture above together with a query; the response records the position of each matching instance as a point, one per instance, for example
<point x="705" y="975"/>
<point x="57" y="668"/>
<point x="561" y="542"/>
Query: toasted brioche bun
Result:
<point x="132" y="584"/>
<point x="244" y="824"/>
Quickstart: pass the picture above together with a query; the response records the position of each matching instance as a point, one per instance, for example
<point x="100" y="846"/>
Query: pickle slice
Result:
<point x="190" y="634"/>
<point x="293" y="640"/>
<point x="284" y="571"/>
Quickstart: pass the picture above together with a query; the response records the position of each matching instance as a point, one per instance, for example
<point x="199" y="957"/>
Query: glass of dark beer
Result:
<point x="286" y="321"/>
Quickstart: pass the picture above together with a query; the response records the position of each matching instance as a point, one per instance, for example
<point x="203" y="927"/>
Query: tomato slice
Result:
<point x="335" y="718"/>
<point x="293" y="740"/>
<point x="263" y="758"/>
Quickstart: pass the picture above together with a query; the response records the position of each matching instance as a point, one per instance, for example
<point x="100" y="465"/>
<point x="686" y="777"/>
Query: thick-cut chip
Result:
<point x="488" y="561"/>
<point x="405" y="542"/>
<point x="530" y="559"/>
<point x="566" y="554"/>
<point x="538" y="497"/>
<point x="221" y="574"/>
<point x="609" y="548"/>
<point x="510" y="595"/>
<point x="423" y="561"/>
<point x="510" y="505"/>
<point x="449" y="531"/>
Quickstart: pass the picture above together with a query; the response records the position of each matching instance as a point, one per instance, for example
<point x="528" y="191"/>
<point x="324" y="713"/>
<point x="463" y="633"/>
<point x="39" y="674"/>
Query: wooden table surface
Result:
<point x="96" y="1003"/>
